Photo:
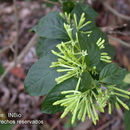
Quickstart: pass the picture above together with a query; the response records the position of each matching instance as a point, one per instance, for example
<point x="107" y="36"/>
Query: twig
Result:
<point x="90" y="2"/>
<point x="120" y="113"/>
<point x="120" y="41"/>
<point x="125" y="33"/>
<point x="6" y="48"/>
<point x="17" y="126"/>
<point x="56" y="124"/>
<point x="108" y="123"/>
<point x="17" y="31"/>
<point x="116" y="30"/>
<point x="52" y="2"/>
<point x="28" y="46"/>
<point x="115" y="12"/>
<point x="84" y="125"/>
<point x="21" y="56"/>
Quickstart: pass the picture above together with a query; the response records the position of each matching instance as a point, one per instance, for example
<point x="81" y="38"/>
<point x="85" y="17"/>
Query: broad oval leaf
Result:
<point x="55" y="94"/>
<point x="51" y="27"/>
<point x="100" y="66"/>
<point x="88" y="44"/>
<point x="112" y="74"/>
<point x="44" y="46"/>
<point x="87" y="82"/>
<point x="111" y="52"/>
<point x="97" y="33"/>
<point x="41" y="78"/>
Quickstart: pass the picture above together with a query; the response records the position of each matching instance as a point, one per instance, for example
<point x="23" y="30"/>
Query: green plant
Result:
<point x="126" y="86"/>
<point x="75" y="68"/>
<point x="1" y="69"/>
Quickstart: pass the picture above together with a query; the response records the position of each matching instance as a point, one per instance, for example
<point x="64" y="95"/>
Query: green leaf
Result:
<point x="97" y="33"/>
<point x="55" y="94"/>
<point x="41" y="78"/>
<point x="68" y="6"/>
<point x="86" y="43"/>
<point x="124" y="86"/>
<point x="112" y="74"/>
<point x="44" y="46"/>
<point x="1" y="69"/>
<point x="90" y="14"/>
<point x="6" y="126"/>
<point x="51" y="27"/>
<point x="127" y="118"/>
<point x="111" y="52"/>
<point x="86" y="82"/>
<point x="100" y="66"/>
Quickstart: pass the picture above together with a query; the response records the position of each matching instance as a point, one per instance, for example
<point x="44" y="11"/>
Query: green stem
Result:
<point x="77" y="86"/>
<point x="120" y="90"/>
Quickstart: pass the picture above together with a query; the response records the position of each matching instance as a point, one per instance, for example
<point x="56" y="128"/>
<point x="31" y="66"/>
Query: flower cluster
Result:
<point x="88" y="102"/>
<point x="71" y="61"/>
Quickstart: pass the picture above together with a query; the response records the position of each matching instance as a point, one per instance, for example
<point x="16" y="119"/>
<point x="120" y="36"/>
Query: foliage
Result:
<point x="1" y="69"/>
<point x="75" y="66"/>
<point x="127" y="120"/>
<point x="127" y="112"/>
<point x="6" y="126"/>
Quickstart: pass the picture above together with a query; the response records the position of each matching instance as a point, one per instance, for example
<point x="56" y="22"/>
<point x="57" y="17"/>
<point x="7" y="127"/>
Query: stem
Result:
<point x="17" y="31"/>
<point x="115" y="12"/>
<point x="120" y="90"/>
<point x="77" y="86"/>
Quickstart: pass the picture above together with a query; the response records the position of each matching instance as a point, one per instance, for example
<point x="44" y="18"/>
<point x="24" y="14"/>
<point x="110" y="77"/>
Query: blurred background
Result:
<point x="17" y="54"/>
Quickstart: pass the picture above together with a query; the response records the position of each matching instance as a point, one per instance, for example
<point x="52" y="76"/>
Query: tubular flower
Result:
<point x="71" y="61"/>
<point x="104" y="55"/>
<point x="82" y="103"/>
<point x="79" y="104"/>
